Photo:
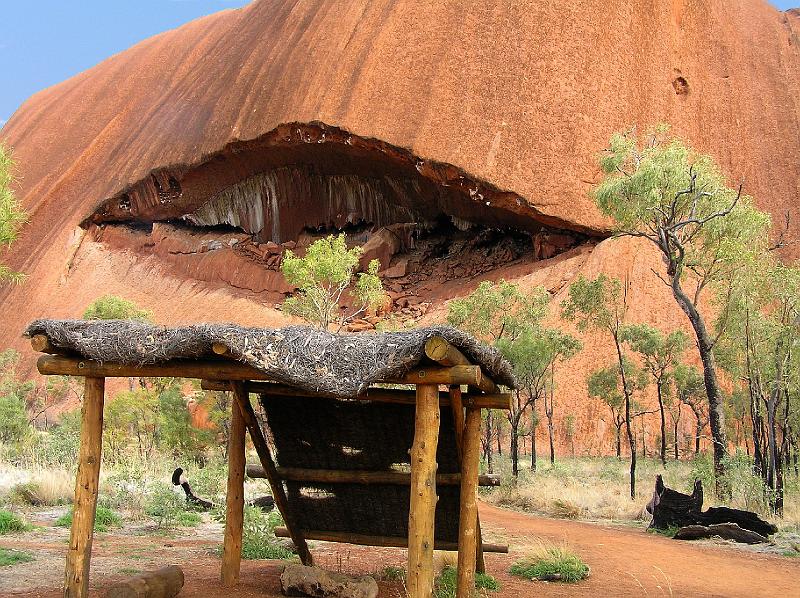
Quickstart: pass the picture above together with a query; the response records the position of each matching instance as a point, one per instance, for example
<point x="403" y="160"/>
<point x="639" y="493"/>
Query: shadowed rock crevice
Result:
<point x="314" y="176"/>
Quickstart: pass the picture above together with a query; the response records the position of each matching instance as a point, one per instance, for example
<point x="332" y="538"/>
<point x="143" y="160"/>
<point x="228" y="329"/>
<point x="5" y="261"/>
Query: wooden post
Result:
<point x="234" y="512"/>
<point x="79" y="554"/>
<point x="468" y="516"/>
<point x="422" y="510"/>
<point x="456" y="405"/>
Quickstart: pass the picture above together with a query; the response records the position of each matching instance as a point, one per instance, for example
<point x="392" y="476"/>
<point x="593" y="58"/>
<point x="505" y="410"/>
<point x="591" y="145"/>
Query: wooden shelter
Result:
<point x="340" y="468"/>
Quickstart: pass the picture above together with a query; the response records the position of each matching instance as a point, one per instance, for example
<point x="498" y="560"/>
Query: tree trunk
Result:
<point x="716" y="413"/>
<point x="533" y="447"/>
<point x="675" y="432"/>
<point x="487" y="444"/>
<point x="659" y="390"/>
<point x="627" y="392"/>
<point x="514" y="449"/>
<point x="550" y="434"/>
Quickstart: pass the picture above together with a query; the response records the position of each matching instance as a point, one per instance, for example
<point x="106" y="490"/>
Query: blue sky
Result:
<point x="43" y="42"/>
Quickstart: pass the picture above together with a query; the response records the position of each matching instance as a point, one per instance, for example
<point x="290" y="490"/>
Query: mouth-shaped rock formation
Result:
<point x="240" y="209"/>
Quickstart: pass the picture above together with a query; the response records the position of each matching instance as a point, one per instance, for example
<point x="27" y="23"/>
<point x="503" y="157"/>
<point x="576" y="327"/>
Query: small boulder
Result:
<point x="299" y="580"/>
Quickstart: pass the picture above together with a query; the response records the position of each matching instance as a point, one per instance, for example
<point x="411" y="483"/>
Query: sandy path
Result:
<point x="624" y="562"/>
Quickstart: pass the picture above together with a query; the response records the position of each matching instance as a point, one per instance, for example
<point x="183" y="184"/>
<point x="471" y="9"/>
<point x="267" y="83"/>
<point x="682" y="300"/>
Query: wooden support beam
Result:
<point x="386" y="541"/>
<point x="422" y="509"/>
<point x="224" y="369"/>
<point x="458" y="421"/>
<point x="470" y="375"/>
<point x="79" y="554"/>
<point x="468" y="513"/>
<point x="278" y="493"/>
<point x="221" y="369"/>
<point x="379" y="395"/>
<point x="347" y="476"/>
<point x="234" y="500"/>
<point x="438" y="349"/>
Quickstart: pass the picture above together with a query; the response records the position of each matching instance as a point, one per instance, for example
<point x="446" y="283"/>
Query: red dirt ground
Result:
<point x="624" y="562"/>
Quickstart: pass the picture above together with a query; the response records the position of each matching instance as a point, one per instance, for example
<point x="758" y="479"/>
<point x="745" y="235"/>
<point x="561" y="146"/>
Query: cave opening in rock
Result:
<point x="420" y="218"/>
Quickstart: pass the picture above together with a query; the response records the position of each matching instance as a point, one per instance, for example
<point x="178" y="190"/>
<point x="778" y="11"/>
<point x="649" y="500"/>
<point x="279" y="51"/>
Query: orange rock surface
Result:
<point x="517" y="96"/>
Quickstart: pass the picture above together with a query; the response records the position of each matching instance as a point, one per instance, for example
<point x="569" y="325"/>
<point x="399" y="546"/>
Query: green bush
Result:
<point x="169" y="509"/>
<point x="258" y="535"/>
<point x="447" y="581"/>
<point x="551" y="564"/>
<point x="104" y="519"/>
<point x="111" y="307"/>
<point x="11" y="523"/>
<point x="10" y="557"/>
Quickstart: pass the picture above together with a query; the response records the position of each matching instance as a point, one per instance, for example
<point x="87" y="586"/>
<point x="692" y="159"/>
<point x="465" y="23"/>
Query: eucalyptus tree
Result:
<point x="690" y="391"/>
<point x="760" y="343"/>
<point x="658" y="189"/>
<point x="605" y="384"/>
<point x="12" y="216"/>
<point x="601" y="305"/>
<point x="511" y="319"/>
<point x="660" y="353"/>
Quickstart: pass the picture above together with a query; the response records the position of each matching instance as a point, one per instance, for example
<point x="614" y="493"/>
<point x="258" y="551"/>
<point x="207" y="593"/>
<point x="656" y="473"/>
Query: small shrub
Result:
<point x="104" y="519"/>
<point x="48" y="488"/>
<point x="10" y="557"/>
<point x="258" y="536"/>
<point x="169" y="509"/>
<point x="551" y="563"/>
<point x="565" y="509"/>
<point x="668" y="532"/>
<point x="447" y="581"/>
<point x="11" y="523"/>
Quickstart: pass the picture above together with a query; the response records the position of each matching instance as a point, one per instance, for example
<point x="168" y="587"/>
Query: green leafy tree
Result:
<point x="690" y="391"/>
<point x="111" y="307"/>
<point x="601" y="305"/>
<point x="14" y="424"/>
<point x="534" y="354"/>
<point x="761" y="334"/>
<point x="12" y="216"/>
<point x="604" y="384"/>
<point x="502" y="314"/>
<point x="132" y="415"/>
<point x="660" y="353"/>
<point x="177" y="434"/>
<point x="660" y="190"/>
<point x="324" y="276"/>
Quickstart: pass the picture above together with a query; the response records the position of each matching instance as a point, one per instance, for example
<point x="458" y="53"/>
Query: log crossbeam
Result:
<point x="337" y="476"/>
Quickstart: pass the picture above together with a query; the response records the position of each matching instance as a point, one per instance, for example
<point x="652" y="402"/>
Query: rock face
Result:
<point x="263" y="123"/>
<point x="299" y="580"/>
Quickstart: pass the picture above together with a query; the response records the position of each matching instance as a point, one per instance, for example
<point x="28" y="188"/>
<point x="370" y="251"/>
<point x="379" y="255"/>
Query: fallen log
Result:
<point x="671" y="509"/>
<point x="163" y="583"/>
<point x="726" y="531"/>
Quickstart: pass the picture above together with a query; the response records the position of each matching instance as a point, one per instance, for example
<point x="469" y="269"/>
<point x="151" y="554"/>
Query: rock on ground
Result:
<point x="299" y="580"/>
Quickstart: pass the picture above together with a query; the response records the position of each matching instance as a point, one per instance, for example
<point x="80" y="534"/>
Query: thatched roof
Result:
<point x="336" y="365"/>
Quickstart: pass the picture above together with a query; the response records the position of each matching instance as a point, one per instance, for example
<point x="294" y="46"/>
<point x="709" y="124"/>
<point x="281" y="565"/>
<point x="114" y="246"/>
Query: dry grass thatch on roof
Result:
<point x="335" y="365"/>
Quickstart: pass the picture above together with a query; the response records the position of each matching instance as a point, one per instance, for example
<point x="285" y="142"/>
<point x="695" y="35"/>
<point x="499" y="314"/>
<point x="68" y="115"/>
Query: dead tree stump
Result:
<point x="671" y="509"/>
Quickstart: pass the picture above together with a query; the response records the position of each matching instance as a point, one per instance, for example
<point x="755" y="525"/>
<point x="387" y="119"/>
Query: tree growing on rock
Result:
<point x="658" y="189"/>
<point x="660" y="353"/>
<point x="12" y="216"/>
<point x="324" y="276"/>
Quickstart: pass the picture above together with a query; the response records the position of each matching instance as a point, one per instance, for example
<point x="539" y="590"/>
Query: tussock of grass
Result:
<point x="11" y="523"/>
<point x="447" y="580"/>
<point x="10" y="557"/>
<point x="45" y="488"/>
<point x="551" y="563"/>
<point x="104" y="519"/>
